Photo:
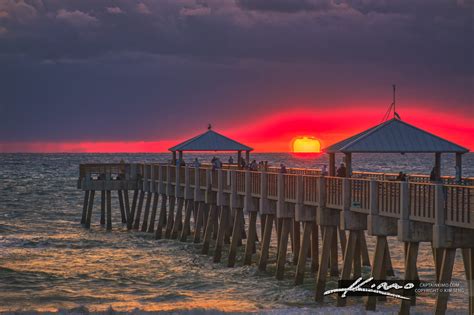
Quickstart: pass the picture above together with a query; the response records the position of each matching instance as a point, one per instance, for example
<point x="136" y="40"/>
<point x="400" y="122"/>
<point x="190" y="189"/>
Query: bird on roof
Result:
<point x="209" y="127"/>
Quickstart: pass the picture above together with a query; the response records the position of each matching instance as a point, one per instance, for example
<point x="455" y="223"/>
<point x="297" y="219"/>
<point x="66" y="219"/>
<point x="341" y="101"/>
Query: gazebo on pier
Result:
<point x="395" y="136"/>
<point x="211" y="141"/>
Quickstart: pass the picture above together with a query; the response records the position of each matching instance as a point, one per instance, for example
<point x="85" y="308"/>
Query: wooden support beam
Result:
<point x="102" y="207"/>
<point x="170" y="217"/>
<point x="468" y="259"/>
<point x="411" y="257"/>
<point x="377" y="267"/>
<point x="209" y="228"/>
<point x="89" y="209"/>
<point x="342" y="241"/>
<point x="296" y="241"/>
<point x="278" y="225"/>
<point x="236" y="236"/>
<point x="109" y="210"/>
<point x="332" y="164"/>
<point x="315" y="247"/>
<point x="147" y="211"/>
<point x="187" y="220"/>
<point x="283" y="247"/>
<point x="365" y="251"/>
<point x="458" y="167"/>
<point x="329" y="232"/>
<point x="388" y="262"/>
<point x="250" y="245"/>
<point x="136" y="223"/>
<point x="445" y="275"/>
<point x="154" y="208"/>
<point x="122" y="206"/>
<point x="85" y="207"/>
<point x="127" y="205"/>
<point x="266" y="239"/>
<point x="334" y="271"/>
<point x="350" y="256"/>
<point x="438" y="165"/>
<point x="438" y="259"/>
<point x="161" y="217"/>
<point x="223" y="222"/>
<point x="178" y="220"/>
<point x="134" y="207"/>
<point x="357" y="255"/>
<point x="199" y="222"/>
<point x="303" y="252"/>
<point x="263" y="217"/>
<point x="348" y="157"/>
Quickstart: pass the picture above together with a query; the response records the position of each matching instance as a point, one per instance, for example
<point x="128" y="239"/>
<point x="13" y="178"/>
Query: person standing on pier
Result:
<point x="341" y="171"/>
<point x="196" y="163"/>
<point x="324" y="170"/>
<point x="433" y="175"/>
<point x="231" y="160"/>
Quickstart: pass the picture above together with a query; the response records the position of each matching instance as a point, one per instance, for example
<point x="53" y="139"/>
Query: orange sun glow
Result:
<point x="306" y="145"/>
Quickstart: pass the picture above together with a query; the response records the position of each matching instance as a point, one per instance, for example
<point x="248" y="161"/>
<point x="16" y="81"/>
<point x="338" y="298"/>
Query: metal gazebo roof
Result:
<point x="395" y="136"/>
<point x="210" y="141"/>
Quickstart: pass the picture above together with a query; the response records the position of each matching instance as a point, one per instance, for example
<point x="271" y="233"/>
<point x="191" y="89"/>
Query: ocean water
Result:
<point x="48" y="262"/>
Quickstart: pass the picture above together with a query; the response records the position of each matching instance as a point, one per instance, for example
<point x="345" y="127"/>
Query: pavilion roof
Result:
<point x="210" y="141"/>
<point x="395" y="136"/>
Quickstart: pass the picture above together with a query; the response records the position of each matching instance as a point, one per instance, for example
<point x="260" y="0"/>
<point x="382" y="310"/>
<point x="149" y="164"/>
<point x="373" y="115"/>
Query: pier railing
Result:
<point x="458" y="200"/>
<point x="459" y="205"/>
<point x="389" y="198"/>
<point x="360" y="195"/>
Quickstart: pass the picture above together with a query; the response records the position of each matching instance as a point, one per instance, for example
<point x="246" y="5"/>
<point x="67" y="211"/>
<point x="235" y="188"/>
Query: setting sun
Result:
<point x="306" y="145"/>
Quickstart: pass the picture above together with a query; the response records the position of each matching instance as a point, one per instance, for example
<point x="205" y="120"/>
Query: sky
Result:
<point x="141" y="76"/>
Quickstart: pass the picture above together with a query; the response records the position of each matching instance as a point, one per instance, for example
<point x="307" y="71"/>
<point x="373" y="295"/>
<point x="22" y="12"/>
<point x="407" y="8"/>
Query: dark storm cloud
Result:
<point x="129" y="69"/>
<point x="285" y="6"/>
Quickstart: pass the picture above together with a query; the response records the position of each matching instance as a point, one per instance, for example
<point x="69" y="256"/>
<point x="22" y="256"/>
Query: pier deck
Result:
<point x="343" y="209"/>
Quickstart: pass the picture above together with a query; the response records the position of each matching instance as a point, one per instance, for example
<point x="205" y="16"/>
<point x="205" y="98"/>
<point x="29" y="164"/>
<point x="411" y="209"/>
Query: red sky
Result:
<point x="275" y="132"/>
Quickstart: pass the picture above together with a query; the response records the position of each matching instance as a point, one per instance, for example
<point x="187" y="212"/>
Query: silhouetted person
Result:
<point x="433" y="175"/>
<point x="196" y="163"/>
<point x="401" y="177"/>
<point x="231" y="160"/>
<point x="253" y="166"/>
<point x="341" y="171"/>
<point x="282" y="168"/>
<point x="324" y="170"/>
<point x="242" y="163"/>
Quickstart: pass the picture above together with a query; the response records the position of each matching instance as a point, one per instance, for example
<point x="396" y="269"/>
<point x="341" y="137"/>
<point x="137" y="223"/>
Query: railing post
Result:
<point x="248" y="202"/>
<point x="188" y="193"/>
<point x="161" y="189"/>
<point x="379" y="225"/>
<point x="145" y="177"/>
<point x="220" y="188"/>
<point x="169" y="187"/>
<point x="208" y="179"/>
<point x="235" y="201"/>
<point x="299" y="207"/>
<point x="264" y="207"/>
<point x="374" y="198"/>
<point x="404" y="233"/>
<point x="177" y="181"/>
<point x="322" y="216"/>
<point x="197" y="184"/>
<point x="280" y="195"/>
<point x="442" y="234"/>
<point x="133" y="171"/>
<point x="152" y="178"/>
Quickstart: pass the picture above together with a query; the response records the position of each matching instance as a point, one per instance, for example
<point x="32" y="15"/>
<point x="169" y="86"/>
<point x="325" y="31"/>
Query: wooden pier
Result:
<point x="218" y="207"/>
